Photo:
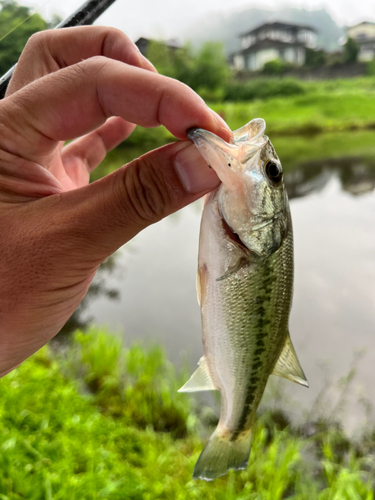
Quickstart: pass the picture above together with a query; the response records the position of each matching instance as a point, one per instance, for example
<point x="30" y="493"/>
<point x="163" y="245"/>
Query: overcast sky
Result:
<point x="166" y="18"/>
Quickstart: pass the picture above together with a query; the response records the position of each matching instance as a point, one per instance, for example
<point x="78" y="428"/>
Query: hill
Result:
<point x="225" y="28"/>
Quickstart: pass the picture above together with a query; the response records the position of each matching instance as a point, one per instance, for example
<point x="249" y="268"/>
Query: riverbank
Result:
<point x="95" y="420"/>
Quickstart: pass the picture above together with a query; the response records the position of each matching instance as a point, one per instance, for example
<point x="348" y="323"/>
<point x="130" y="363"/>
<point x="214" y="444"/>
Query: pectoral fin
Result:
<point x="242" y="262"/>
<point x="200" y="380"/>
<point x="288" y="366"/>
<point x="202" y="277"/>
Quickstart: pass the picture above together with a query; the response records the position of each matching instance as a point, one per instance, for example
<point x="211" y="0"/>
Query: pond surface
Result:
<point x="332" y="323"/>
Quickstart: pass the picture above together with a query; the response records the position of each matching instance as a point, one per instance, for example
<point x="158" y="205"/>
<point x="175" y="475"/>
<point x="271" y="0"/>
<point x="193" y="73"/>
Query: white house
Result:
<point x="364" y="36"/>
<point x="270" y="41"/>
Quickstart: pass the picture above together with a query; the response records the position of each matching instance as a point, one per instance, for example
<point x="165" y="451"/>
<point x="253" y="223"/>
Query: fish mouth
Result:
<point x="200" y="136"/>
<point x="219" y="155"/>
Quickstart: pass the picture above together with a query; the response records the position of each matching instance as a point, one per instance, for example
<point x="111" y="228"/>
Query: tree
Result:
<point x="17" y="24"/>
<point x="206" y="72"/>
<point x="315" y="57"/>
<point x="351" y="50"/>
<point x="160" y="56"/>
<point x="184" y="65"/>
<point x="211" y="69"/>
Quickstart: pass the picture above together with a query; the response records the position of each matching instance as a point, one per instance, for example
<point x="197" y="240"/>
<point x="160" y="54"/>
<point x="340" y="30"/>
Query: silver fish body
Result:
<point x="245" y="285"/>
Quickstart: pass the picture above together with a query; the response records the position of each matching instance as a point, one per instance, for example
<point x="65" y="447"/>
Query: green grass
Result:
<point x="327" y="106"/>
<point x="97" y="421"/>
<point x="305" y="115"/>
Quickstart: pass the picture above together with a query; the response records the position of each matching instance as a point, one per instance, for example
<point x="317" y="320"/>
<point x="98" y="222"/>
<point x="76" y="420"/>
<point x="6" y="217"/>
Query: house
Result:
<point x="364" y="35"/>
<point x="143" y="44"/>
<point x="284" y="41"/>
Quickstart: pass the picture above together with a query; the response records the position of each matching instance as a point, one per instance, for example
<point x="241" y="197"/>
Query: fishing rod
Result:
<point x="83" y="16"/>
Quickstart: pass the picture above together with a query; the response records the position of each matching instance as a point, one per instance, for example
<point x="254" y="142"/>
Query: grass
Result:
<point x="326" y="106"/>
<point x="97" y="421"/>
<point x="305" y="115"/>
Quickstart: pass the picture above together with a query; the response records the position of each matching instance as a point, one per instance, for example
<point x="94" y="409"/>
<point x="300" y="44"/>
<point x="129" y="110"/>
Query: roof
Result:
<point x="269" y="44"/>
<point x="279" y="25"/>
<point x="360" y="24"/>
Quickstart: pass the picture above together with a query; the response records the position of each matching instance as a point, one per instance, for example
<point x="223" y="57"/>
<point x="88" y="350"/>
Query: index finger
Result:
<point x="75" y="100"/>
<point x="51" y="50"/>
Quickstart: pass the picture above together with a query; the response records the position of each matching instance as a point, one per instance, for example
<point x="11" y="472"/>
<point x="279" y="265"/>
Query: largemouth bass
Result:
<point x="245" y="285"/>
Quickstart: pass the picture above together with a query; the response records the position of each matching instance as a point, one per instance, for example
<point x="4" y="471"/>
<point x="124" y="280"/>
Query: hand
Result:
<point x="55" y="229"/>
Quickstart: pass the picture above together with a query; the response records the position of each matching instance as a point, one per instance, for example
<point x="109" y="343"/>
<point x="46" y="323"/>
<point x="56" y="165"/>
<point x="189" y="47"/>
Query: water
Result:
<point x="333" y="315"/>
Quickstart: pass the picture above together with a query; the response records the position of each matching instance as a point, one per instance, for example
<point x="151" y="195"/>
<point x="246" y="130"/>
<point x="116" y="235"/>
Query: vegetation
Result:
<point x="351" y="50"/>
<point x="262" y="88"/>
<point x="276" y="67"/>
<point x="322" y="107"/>
<point x="315" y="57"/>
<point x="93" y="420"/>
<point x="206" y="71"/>
<point x="17" y="24"/>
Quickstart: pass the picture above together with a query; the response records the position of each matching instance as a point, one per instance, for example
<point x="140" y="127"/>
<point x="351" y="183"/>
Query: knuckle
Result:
<point x="116" y="38"/>
<point x="90" y="66"/>
<point x="38" y="40"/>
<point x="113" y="34"/>
<point x="96" y="63"/>
<point x="147" y="193"/>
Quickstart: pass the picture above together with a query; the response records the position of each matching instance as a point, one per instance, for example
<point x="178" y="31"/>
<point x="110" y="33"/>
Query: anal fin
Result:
<point x="288" y="366"/>
<point x="200" y="380"/>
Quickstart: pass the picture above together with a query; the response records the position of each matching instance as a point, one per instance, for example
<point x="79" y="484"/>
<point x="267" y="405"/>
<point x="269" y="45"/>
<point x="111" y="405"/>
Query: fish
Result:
<point x="244" y="287"/>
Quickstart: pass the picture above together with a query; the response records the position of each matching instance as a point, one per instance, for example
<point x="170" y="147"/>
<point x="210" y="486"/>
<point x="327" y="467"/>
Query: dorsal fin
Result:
<point x="200" y="380"/>
<point x="288" y="366"/>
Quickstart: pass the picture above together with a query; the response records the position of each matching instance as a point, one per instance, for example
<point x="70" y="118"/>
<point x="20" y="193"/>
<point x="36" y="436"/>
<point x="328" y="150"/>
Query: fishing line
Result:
<point x="25" y="20"/>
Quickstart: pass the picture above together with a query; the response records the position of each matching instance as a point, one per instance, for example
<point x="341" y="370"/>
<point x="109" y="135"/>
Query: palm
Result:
<point x="71" y="173"/>
<point x="72" y="164"/>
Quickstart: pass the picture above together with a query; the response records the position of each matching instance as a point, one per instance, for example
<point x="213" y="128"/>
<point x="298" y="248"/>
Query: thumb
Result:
<point x="99" y="218"/>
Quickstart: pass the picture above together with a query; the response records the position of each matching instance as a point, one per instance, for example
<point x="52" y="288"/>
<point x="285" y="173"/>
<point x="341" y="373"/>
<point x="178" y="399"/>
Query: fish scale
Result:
<point x="245" y="286"/>
<point x="247" y="306"/>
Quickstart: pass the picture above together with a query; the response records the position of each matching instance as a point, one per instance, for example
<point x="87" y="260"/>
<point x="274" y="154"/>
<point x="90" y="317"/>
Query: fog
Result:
<point x="168" y="18"/>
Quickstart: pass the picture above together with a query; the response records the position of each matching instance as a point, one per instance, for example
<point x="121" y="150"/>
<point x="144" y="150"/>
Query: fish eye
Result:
<point x="274" y="172"/>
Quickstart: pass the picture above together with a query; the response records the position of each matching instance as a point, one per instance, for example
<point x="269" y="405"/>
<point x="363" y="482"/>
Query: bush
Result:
<point x="351" y="50"/>
<point x="276" y="67"/>
<point x="262" y="89"/>
<point x="370" y="70"/>
<point x="315" y="57"/>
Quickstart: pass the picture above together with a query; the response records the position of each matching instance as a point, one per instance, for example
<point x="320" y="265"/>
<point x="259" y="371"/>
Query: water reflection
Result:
<point x="333" y="206"/>
<point x="357" y="176"/>
<point x="100" y="288"/>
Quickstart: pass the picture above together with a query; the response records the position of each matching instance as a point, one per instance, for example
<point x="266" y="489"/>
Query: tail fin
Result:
<point x="221" y="453"/>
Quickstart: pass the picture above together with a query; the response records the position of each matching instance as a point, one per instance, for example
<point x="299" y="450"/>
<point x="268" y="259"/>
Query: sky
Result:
<point x="167" y="18"/>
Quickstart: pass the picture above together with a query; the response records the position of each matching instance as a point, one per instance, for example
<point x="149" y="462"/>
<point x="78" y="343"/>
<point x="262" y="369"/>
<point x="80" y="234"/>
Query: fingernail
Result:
<point x="194" y="172"/>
